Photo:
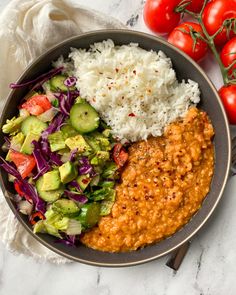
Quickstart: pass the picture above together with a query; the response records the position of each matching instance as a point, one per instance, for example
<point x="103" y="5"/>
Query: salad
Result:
<point x="61" y="158"/>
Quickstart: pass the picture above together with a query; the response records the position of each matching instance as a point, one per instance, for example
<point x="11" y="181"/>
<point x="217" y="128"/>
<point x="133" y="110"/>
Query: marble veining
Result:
<point x="133" y="20"/>
<point x="208" y="269"/>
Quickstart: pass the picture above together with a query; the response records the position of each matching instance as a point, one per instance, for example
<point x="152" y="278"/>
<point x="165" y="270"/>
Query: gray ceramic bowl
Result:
<point x="185" y="68"/>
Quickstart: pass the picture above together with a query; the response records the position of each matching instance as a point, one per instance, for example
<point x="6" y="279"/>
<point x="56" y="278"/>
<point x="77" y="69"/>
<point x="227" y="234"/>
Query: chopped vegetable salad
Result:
<point x="61" y="158"/>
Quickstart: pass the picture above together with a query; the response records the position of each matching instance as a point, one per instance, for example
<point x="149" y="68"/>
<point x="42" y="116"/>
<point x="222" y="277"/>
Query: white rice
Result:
<point x="122" y="81"/>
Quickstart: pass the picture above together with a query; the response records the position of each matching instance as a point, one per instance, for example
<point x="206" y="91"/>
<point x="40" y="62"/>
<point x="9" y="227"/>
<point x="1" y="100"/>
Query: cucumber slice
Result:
<point x="48" y="196"/>
<point x="57" y="83"/>
<point x="84" y="118"/>
<point x="34" y="125"/>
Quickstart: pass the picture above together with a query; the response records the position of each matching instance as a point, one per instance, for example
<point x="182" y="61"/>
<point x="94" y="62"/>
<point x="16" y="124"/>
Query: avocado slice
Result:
<point x="94" y="144"/>
<point x="105" y="144"/>
<point x="56" y="141"/>
<point x="79" y="143"/>
<point x="98" y="142"/>
<point x="103" y="155"/>
<point x="100" y="158"/>
<point x="51" y="181"/>
<point x="67" y="172"/>
<point x="83" y="181"/>
<point x="102" y="140"/>
<point x="27" y="147"/>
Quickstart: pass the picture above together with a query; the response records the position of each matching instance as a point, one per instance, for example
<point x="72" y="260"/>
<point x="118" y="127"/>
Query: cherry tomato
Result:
<point x="228" y="97"/>
<point x="185" y="42"/>
<point x="37" y="104"/>
<point x="120" y="156"/>
<point x="24" y="163"/>
<point x="214" y="14"/>
<point x="228" y="54"/>
<point x="159" y="15"/>
<point x="195" y="5"/>
<point x="35" y="217"/>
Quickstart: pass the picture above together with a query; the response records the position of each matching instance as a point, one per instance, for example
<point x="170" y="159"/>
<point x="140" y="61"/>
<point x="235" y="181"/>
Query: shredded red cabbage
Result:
<point x="76" y="197"/>
<point x="73" y="154"/>
<point x="70" y="81"/>
<point x="54" y="126"/>
<point x="75" y="184"/>
<point x="70" y="100"/>
<point x="76" y="93"/>
<point x="39" y="80"/>
<point x="25" y="187"/>
<point x="29" y="190"/>
<point x="85" y="167"/>
<point x="45" y="146"/>
<point x="66" y="101"/>
<point x="51" y="158"/>
<point x="9" y="168"/>
<point x="62" y="105"/>
<point x="42" y="164"/>
<point x="55" y="159"/>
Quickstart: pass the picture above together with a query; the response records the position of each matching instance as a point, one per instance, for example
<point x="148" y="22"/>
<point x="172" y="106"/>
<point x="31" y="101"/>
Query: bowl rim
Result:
<point x="211" y="85"/>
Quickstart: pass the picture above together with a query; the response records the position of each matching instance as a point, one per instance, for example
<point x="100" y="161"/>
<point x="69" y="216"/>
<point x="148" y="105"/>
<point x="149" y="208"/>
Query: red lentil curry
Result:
<point x="162" y="186"/>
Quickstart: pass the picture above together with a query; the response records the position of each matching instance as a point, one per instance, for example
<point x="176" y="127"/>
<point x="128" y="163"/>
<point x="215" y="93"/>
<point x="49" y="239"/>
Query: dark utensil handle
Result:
<point x="233" y="159"/>
<point x="177" y="257"/>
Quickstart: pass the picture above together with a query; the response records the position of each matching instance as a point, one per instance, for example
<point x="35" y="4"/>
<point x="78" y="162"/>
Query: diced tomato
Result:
<point x="36" y="217"/>
<point x="24" y="163"/>
<point x="120" y="156"/>
<point x="37" y="104"/>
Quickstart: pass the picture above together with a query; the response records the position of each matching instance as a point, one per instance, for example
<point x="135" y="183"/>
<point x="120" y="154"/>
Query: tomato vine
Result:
<point x="228" y="24"/>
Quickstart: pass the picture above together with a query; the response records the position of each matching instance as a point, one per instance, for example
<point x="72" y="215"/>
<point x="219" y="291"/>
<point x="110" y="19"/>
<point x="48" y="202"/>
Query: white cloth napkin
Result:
<point x="28" y="28"/>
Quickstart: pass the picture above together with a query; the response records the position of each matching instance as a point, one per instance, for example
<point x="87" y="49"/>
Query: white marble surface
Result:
<point x="208" y="269"/>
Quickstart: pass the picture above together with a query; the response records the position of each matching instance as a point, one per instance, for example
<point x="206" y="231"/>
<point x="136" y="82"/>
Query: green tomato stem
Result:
<point x="231" y="65"/>
<point x="195" y="15"/>
<point x="211" y="43"/>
